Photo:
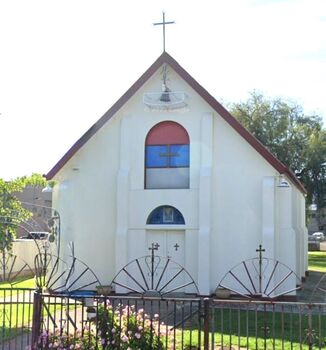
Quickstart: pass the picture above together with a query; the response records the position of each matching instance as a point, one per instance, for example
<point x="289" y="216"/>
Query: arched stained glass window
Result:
<point x="167" y="156"/>
<point x="165" y="215"/>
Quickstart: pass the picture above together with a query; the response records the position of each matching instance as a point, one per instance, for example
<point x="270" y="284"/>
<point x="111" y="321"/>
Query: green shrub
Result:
<point x="113" y="328"/>
<point x="127" y="329"/>
<point x="63" y="341"/>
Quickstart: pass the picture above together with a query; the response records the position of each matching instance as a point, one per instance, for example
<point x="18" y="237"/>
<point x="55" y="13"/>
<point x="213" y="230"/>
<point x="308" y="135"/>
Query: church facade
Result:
<point x="171" y="166"/>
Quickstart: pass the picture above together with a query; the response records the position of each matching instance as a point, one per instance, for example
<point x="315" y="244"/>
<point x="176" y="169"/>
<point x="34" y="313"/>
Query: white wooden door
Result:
<point x="175" y="246"/>
<point x="170" y="245"/>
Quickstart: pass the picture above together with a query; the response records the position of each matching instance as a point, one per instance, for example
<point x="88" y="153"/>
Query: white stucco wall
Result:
<point x="237" y="201"/>
<point x="25" y="251"/>
<point x="87" y="203"/>
<point x="104" y="207"/>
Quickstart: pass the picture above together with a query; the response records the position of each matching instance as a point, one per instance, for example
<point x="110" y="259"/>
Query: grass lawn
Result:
<point x="252" y="329"/>
<point x="23" y="283"/>
<point x="317" y="261"/>
<point x="16" y="311"/>
<point x="15" y="318"/>
<point x="7" y="289"/>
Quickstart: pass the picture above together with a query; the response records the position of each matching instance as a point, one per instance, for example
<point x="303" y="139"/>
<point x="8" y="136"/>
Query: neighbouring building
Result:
<point x="40" y="204"/>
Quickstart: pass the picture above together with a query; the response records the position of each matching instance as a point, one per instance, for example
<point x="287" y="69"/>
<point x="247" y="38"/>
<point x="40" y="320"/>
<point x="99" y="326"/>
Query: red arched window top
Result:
<point x="167" y="133"/>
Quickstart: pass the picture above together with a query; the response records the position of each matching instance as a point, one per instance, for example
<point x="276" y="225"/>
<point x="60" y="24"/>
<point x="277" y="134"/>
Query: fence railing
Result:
<point x="44" y="321"/>
<point x="267" y="325"/>
<point x="120" y="323"/>
<point x="16" y="315"/>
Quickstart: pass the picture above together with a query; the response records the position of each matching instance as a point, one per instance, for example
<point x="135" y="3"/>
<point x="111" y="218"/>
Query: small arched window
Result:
<point x="167" y="156"/>
<point x="165" y="215"/>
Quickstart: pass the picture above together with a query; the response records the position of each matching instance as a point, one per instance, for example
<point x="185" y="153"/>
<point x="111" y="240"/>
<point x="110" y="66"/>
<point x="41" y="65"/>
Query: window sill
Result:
<point x="166" y="227"/>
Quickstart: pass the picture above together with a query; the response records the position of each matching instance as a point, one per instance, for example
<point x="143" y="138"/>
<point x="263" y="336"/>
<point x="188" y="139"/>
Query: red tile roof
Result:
<point x="165" y="58"/>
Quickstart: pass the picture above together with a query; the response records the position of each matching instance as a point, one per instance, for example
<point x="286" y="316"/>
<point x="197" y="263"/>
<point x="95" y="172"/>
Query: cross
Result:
<point x="154" y="246"/>
<point x="169" y="155"/>
<point x="176" y="246"/>
<point x="260" y="250"/>
<point x="163" y="24"/>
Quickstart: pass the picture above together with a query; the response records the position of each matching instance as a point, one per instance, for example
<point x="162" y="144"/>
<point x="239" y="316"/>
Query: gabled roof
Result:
<point x="165" y="58"/>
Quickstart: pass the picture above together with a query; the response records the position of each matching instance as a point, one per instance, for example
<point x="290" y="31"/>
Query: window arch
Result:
<point x="167" y="156"/>
<point x="165" y="215"/>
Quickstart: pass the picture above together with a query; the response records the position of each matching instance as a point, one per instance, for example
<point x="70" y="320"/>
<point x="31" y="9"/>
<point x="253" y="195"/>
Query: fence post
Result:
<point x="310" y="330"/>
<point x="37" y="319"/>
<point x="206" y="323"/>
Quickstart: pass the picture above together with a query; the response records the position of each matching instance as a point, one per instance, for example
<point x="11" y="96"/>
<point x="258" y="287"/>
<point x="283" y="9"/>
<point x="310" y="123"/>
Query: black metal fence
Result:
<point x="119" y="322"/>
<point x="266" y="325"/>
<point x="16" y="318"/>
<point x="43" y="321"/>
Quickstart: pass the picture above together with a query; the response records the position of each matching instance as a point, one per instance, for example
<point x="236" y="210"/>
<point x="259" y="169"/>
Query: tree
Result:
<point x="313" y="174"/>
<point x="297" y="140"/>
<point x="12" y="213"/>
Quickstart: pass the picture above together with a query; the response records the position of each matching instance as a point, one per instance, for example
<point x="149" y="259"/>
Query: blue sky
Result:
<point x="63" y="63"/>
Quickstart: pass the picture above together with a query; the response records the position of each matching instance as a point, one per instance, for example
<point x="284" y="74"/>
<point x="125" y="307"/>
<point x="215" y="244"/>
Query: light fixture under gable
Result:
<point x="282" y="182"/>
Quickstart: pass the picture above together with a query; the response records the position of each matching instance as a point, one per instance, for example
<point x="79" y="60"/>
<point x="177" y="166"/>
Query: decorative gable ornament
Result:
<point x="167" y="99"/>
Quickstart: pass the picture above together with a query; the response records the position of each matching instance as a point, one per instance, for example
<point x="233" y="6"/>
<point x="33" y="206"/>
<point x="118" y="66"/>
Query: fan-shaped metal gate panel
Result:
<point x="55" y="275"/>
<point x="260" y="277"/>
<point x="154" y="275"/>
<point x="13" y="269"/>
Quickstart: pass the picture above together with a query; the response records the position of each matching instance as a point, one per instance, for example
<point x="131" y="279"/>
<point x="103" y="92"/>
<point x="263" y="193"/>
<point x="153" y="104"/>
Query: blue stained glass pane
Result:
<point x="156" y="156"/>
<point x="179" y="156"/>
<point x="157" y="217"/>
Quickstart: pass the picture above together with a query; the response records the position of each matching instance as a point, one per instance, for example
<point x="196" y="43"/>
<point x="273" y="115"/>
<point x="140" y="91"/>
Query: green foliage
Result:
<point x="297" y="140"/>
<point x="12" y="214"/>
<point x="121" y="328"/>
<point x="34" y="180"/>
<point x="62" y="340"/>
<point x="314" y="173"/>
<point x="127" y="328"/>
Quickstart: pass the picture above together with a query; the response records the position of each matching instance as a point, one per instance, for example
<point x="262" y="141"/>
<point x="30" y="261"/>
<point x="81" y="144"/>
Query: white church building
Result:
<point x="171" y="166"/>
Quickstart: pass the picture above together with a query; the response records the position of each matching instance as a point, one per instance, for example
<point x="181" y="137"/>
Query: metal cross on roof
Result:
<point x="163" y="24"/>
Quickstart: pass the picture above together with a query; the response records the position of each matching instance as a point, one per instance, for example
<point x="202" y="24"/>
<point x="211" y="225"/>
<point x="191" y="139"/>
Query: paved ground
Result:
<point x="311" y="291"/>
<point x="18" y="343"/>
